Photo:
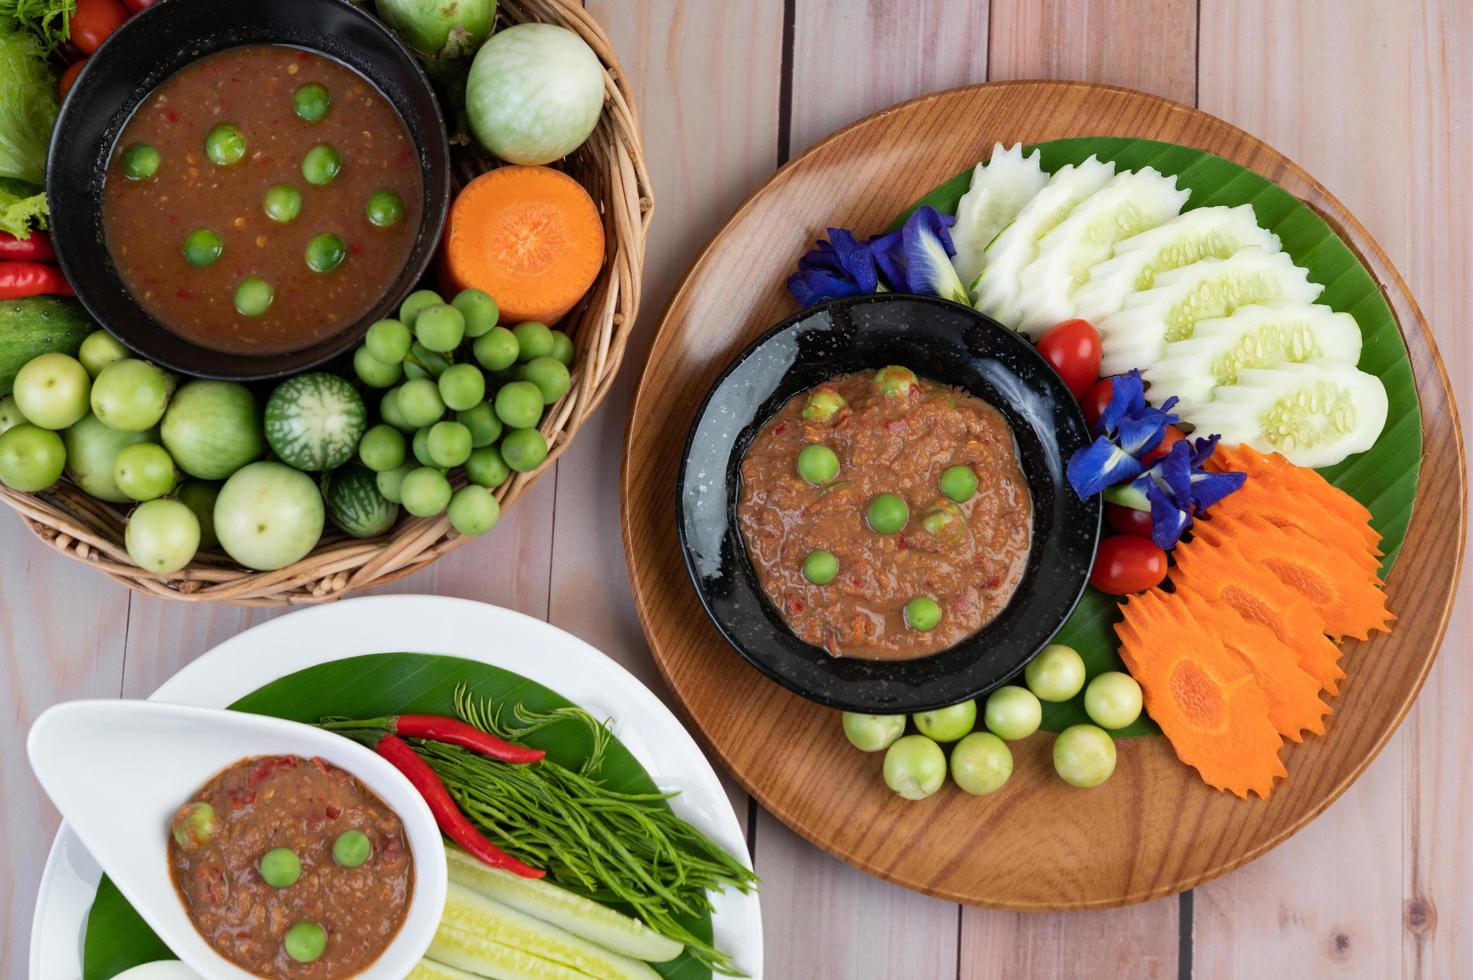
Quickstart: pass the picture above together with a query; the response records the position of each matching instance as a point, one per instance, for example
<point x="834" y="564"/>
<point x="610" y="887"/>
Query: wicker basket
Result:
<point x="611" y="166"/>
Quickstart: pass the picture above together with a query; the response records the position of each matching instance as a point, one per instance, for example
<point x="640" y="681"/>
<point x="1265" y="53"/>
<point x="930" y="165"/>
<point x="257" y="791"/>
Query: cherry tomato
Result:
<point x="1126" y="564"/>
<point x="1096" y="400"/>
<point x="138" y="6"/>
<point x="1128" y="520"/>
<point x="1073" y="348"/>
<point x="94" y="21"/>
<point x="1169" y="438"/>
<point x="70" y="75"/>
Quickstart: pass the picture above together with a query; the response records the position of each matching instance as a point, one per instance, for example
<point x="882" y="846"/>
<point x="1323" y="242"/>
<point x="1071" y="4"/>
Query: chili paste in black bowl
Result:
<point x="946" y="346"/>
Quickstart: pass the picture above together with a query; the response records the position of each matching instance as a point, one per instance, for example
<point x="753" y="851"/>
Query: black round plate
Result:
<point x="941" y="341"/>
<point x="154" y="45"/>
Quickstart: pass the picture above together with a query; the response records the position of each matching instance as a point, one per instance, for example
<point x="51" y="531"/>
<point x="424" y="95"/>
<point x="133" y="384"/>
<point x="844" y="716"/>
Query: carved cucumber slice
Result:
<point x="1251" y="337"/>
<point x="1133" y="202"/>
<point x="1204" y="233"/>
<point x="1316" y="414"/>
<point x="996" y="290"/>
<point x="1170" y="310"/>
<point x="1000" y="187"/>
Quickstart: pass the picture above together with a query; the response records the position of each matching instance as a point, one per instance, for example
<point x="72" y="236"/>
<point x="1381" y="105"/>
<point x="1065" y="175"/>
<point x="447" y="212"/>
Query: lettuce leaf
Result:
<point x="22" y="207"/>
<point x="28" y="105"/>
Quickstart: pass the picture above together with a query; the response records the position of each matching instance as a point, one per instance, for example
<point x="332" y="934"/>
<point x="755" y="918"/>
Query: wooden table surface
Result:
<point x="1374" y="98"/>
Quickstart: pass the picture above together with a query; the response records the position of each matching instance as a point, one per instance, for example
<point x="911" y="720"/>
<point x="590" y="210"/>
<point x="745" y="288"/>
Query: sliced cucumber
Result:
<point x="1204" y="233"/>
<point x="1136" y="337"/>
<point x="484" y="936"/>
<point x="578" y="915"/>
<point x="1316" y="414"/>
<point x="1257" y="336"/>
<point x="999" y="189"/>
<point x="996" y="291"/>
<point x="1133" y="202"/>
<point x="430" y="970"/>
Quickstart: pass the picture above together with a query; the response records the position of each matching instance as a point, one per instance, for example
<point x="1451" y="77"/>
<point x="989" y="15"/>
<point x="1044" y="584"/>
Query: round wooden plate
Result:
<point x="1038" y="844"/>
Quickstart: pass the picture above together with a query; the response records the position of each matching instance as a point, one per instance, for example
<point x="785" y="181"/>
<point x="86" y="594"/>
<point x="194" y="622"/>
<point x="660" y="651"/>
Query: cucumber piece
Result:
<point x="314" y="421"/>
<point x="1137" y="336"/>
<point x="1203" y="233"/>
<point x="484" y="936"/>
<point x="38" y="325"/>
<point x="1133" y="202"/>
<point x="1256" y="336"/>
<point x="578" y="915"/>
<point x="354" y="503"/>
<point x="1316" y="414"/>
<point x="996" y="291"/>
<point x="430" y="970"/>
<point x="999" y="189"/>
<point x="1126" y="495"/>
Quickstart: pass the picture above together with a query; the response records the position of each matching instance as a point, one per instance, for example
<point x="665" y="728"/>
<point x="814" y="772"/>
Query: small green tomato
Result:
<point x="1113" y="700"/>
<point x="871" y="733"/>
<point x="915" y="767"/>
<point x="981" y="763"/>
<point x="1012" y="713"/>
<point x="1084" y="755"/>
<point x="947" y="724"/>
<point x="820" y="567"/>
<point x="817" y="464"/>
<point x="923" y="613"/>
<point x="1056" y="674"/>
<point x="280" y="867"/>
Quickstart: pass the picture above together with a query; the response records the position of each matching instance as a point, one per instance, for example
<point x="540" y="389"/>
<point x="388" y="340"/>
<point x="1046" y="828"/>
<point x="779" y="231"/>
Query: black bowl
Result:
<point x="943" y="342"/>
<point x="155" y="44"/>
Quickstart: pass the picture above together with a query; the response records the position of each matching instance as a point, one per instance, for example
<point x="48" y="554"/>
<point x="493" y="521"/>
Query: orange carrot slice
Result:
<point x="1283" y="508"/>
<point x="1348" y="601"/>
<point x="1219" y="572"/>
<point x="1277" y="470"/>
<point x="1294" y="704"/>
<point x="1206" y="700"/>
<point x="529" y="236"/>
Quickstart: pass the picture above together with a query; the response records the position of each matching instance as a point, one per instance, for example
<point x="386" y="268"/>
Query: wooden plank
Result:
<point x="61" y="638"/>
<point x="1294" y="75"/>
<point x="1144" y="44"/>
<point x="1438" y="851"/>
<point x="706" y="81"/>
<point x="1150" y="45"/>
<point x="850" y="59"/>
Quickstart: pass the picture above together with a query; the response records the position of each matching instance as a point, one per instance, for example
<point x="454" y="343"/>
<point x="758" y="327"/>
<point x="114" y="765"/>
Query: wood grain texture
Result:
<point x="1149" y="45"/>
<point x="48" y="654"/>
<point x="1037" y="844"/>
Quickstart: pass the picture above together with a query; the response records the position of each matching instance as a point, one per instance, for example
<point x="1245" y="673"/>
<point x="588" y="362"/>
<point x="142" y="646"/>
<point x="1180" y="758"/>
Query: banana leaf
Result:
<point x="370" y="686"/>
<point x="1384" y="478"/>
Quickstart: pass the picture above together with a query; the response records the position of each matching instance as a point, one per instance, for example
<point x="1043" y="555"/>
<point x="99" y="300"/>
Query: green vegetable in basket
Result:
<point x="534" y="93"/>
<point x="438" y="29"/>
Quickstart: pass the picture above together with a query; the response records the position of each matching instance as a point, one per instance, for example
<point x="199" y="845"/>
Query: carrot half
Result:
<point x="1221" y="573"/>
<point x="1348" y="601"/>
<point x="1206" y="700"/>
<point x="532" y="237"/>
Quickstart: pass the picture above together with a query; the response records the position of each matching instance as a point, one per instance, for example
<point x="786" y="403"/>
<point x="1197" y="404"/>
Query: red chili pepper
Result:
<point x="441" y="729"/>
<point x="454" y="823"/>
<point x="37" y="248"/>
<point x="21" y="279"/>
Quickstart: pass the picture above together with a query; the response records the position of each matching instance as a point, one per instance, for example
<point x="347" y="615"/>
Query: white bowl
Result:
<point x="118" y="771"/>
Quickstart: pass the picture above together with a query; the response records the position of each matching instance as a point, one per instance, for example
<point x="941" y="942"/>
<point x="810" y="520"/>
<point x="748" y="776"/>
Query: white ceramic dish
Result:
<point x="118" y="770"/>
<point x="455" y="627"/>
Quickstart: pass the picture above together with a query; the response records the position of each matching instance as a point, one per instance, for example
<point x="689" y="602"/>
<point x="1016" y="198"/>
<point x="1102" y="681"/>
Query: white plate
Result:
<point x="426" y="624"/>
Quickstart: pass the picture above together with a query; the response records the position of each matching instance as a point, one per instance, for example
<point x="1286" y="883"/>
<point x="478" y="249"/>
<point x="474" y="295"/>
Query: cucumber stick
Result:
<point x="996" y="291"/>
<point x="1137" y="336"/>
<point x="1133" y="202"/>
<point x="430" y="970"/>
<point x="1203" y="233"/>
<point x="999" y="189"/>
<point x="484" y="936"/>
<point x="582" y="917"/>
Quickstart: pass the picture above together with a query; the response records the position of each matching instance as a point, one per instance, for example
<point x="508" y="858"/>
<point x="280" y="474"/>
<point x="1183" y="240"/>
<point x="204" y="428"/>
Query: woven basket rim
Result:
<point x="611" y="166"/>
